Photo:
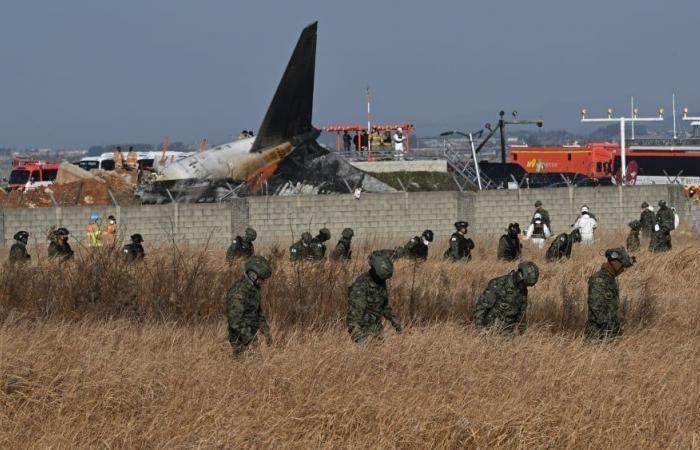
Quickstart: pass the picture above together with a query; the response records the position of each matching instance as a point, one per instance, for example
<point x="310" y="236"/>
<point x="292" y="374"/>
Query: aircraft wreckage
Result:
<point x="283" y="156"/>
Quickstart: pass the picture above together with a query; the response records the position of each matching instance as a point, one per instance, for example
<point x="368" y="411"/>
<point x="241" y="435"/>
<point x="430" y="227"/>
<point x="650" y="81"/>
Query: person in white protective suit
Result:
<point x="398" y="140"/>
<point x="538" y="231"/>
<point x="586" y="226"/>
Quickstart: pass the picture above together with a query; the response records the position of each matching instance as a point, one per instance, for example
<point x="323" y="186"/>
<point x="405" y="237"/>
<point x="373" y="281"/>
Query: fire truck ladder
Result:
<point x="462" y="164"/>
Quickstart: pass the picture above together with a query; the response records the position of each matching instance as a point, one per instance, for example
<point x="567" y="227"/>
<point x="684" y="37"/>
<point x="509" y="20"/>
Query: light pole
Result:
<point x="622" y="121"/>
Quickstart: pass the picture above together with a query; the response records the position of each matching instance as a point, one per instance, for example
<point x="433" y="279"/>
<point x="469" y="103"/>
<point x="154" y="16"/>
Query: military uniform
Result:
<point x="648" y="220"/>
<point x="239" y="248"/>
<point x="18" y="253"/>
<point x="509" y="247"/>
<point x="460" y="248"/>
<point x="560" y="248"/>
<point x="318" y="250"/>
<point x="342" y="250"/>
<point x="660" y="241"/>
<point x="633" y="243"/>
<point x="64" y="252"/>
<point x="665" y="218"/>
<point x="134" y="252"/>
<point x="244" y="310"/>
<point x="603" y="303"/>
<point x="368" y="301"/>
<point x="415" y="248"/>
<point x="503" y="304"/>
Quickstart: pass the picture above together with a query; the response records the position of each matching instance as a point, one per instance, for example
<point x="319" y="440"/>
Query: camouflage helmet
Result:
<point x="259" y="266"/>
<point x="621" y="255"/>
<point x="348" y="233"/>
<point x="428" y="235"/>
<point x="250" y="234"/>
<point x="538" y="204"/>
<point x="662" y="203"/>
<point x="381" y="264"/>
<point x="636" y="225"/>
<point x="530" y="272"/>
<point x="62" y="231"/>
<point x="306" y="237"/>
<point x="324" y="234"/>
<point x="645" y="205"/>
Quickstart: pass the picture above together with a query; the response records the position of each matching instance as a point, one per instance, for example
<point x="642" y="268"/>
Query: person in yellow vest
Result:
<point x="132" y="159"/>
<point x="109" y="234"/>
<point x="94" y="233"/>
<point x="118" y="158"/>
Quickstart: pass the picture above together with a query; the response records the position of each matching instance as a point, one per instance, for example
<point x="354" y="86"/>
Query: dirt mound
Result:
<point x="93" y="191"/>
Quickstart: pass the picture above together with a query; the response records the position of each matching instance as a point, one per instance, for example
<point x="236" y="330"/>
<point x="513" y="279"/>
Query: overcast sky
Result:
<point x="81" y="72"/>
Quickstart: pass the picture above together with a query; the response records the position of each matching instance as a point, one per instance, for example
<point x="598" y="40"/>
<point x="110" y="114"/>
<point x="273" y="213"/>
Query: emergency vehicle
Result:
<point x="28" y="174"/>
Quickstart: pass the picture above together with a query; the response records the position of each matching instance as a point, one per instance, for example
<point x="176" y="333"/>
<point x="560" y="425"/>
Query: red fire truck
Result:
<point x="28" y="174"/>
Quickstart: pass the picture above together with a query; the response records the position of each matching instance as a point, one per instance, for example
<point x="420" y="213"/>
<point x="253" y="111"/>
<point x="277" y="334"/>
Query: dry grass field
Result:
<point x="97" y="354"/>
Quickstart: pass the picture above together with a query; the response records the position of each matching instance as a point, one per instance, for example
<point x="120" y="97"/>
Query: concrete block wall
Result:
<point x="614" y="207"/>
<point x="374" y="216"/>
<point x="395" y="216"/>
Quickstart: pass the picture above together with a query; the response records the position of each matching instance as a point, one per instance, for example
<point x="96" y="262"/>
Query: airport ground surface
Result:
<point x="97" y="354"/>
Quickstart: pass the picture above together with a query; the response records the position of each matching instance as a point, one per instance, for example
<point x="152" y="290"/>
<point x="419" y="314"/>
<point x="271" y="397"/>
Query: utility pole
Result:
<point x="622" y="121"/>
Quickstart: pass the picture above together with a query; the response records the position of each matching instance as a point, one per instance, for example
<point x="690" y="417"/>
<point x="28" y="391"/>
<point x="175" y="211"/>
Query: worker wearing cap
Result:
<point x="109" y="235"/>
<point x="586" y="226"/>
<point x="93" y="231"/>
<point x="604" y="296"/>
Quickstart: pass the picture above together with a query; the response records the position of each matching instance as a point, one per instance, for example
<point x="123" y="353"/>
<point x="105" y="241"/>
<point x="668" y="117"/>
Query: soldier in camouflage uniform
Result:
<point x="509" y="246"/>
<point x="604" y="296"/>
<point x="301" y="249"/>
<point x="648" y="220"/>
<point x="18" y="251"/>
<point x="562" y="245"/>
<point x="318" y="246"/>
<point x="242" y="247"/>
<point x="504" y="302"/>
<point x="243" y="308"/>
<point x="343" y="249"/>
<point x="368" y="301"/>
<point x="660" y="240"/>
<point x="417" y="247"/>
<point x="460" y="246"/>
<point x="59" y="247"/>
<point x="665" y="216"/>
<point x="633" y="243"/>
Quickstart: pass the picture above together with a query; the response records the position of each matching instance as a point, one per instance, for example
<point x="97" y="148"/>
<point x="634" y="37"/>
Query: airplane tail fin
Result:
<point x="290" y="111"/>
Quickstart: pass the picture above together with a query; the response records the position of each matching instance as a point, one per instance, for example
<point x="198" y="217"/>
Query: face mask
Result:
<point x="426" y="242"/>
<point x="112" y="222"/>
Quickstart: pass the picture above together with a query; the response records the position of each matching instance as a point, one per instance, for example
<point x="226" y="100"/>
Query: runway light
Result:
<point x="583" y="113"/>
<point x="636" y="112"/>
<point x="610" y="113"/>
<point x="515" y="114"/>
<point x="685" y="112"/>
<point x="661" y="112"/>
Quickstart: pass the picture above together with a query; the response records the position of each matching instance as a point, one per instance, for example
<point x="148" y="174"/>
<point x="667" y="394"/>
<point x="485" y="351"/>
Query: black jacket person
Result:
<point x="417" y="247"/>
<point x="242" y="247"/>
<point x="509" y="246"/>
<point x="18" y="251"/>
<point x="460" y="246"/>
<point x="134" y="251"/>
<point x="562" y="245"/>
